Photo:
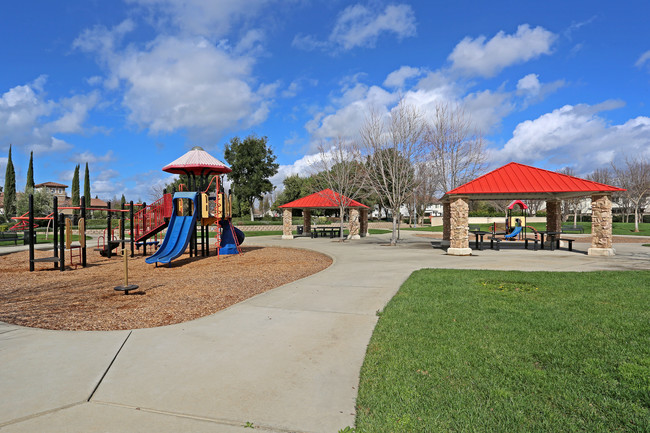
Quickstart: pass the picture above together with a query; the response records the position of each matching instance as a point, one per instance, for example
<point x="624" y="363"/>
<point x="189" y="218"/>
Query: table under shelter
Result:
<point x="519" y="181"/>
<point x="326" y="199"/>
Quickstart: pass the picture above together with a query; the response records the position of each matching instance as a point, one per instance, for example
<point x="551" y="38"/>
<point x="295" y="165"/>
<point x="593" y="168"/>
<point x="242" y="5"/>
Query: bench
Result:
<point x="566" y="229"/>
<point x="11" y="236"/>
<point x="332" y="231"/>
<point x="535" y="243"/>
<point x="498" y="241"/>
<point x="570" y="241"/>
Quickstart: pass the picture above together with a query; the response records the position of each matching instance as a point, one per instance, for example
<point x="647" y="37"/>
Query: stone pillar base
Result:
<point x="459" y="251"/>
<point x="354" y="237"/>
<point x="287" y="236"/>
<point x="601" y="252"/>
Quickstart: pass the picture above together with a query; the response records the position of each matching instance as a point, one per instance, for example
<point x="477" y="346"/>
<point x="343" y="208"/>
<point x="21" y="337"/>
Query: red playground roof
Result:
<point x="322" y="199"/>
<point x="516" y="179"/>
<point x="197" y="161"/>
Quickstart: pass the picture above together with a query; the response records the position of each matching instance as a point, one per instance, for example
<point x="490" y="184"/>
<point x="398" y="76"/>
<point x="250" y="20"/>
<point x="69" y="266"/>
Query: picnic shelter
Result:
<point x="519" y="181"/>
<point x="326" y="199"/>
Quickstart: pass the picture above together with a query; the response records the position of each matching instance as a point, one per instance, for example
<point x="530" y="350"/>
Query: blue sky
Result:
<point x="129" y="86"/>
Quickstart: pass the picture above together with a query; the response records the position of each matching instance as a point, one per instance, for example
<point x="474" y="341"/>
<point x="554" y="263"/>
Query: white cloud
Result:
<point x="28" y="119"/>
<point x="360" y="26"/>
<point x="578" y="136"/>
<point x="478" y="57"/>
<point x="91" y="158"/>
<point x="398" y="78"/>
<point x="213" y="18"/>
<point x="529" y="84"/>
<point x="533" y="90"/>
<point x="301" y="167"/>
<point x="642" y="59"/>
<point x="179" y="83"/>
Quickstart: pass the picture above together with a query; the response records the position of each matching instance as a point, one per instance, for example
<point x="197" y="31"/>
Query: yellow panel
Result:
<point x="82" y="232"/>
<point x="219" y="205"/>
<point x="68" y="233"/>
<point x="205" y="208"/>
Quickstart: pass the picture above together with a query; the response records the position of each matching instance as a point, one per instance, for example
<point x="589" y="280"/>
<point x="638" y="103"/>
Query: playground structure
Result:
<point x="516" y="221"/>
<point x="172" y="212"/>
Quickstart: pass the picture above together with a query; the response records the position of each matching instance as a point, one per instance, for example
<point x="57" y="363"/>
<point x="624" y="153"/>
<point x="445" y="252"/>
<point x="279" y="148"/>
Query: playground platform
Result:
<point x="287" y="360"/>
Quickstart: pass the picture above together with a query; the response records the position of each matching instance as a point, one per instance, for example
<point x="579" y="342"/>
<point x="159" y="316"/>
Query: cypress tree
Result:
<point x="87" y="196"/>
<point x="30" y="173"/>
<point x="10" y="188"/>
<point x="75" y="189"/>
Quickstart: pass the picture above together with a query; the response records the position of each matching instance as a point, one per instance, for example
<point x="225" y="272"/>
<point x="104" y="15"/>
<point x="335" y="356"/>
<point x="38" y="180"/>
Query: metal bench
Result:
<point x="569" y="241"/>
<point x="567" y="228"/>
<point x="11" y="236"/>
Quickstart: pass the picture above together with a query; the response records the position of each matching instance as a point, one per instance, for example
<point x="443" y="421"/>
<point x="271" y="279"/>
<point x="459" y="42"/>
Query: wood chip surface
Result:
<point x="85" y="299"/>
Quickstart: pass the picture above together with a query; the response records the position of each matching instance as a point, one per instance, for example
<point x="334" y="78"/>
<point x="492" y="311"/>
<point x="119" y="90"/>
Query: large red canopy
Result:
<point x="198" y="162"/>
<point x="323" y="199"/>
<point x="523" y="181"/>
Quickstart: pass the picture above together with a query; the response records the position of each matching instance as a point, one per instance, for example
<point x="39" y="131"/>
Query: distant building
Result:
<point x="57" y="189"/>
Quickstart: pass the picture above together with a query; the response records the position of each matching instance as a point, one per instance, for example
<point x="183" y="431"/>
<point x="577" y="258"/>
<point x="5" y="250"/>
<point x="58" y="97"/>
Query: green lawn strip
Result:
<point x="490" y="351"/>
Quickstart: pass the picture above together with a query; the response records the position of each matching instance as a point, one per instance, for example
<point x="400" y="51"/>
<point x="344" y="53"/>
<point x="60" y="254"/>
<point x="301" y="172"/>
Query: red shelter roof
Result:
<point x="322" y="199"/>
<point x="523" y="181"/>
<point x="198" y="162"/>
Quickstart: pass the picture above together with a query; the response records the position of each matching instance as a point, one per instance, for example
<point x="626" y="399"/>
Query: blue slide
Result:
<point x="514" y="233"/>
<point x="228" y="245"/>
<point x="179" y="231"/>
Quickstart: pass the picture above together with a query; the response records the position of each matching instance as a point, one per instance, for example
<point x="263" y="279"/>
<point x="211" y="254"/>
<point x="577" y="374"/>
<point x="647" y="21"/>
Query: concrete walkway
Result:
<point x="284" y="361"/>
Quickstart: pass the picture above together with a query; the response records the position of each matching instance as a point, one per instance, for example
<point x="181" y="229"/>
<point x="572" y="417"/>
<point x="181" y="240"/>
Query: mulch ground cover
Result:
<point x="85" y="299"/>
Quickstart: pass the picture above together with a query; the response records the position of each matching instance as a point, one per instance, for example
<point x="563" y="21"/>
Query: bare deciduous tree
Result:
<point x="634" y="176"/>
<point x="457" y="150"/>
<point x="393" y="146"/>
<point x="570" y="204"/>
<point x="338" y="168"/>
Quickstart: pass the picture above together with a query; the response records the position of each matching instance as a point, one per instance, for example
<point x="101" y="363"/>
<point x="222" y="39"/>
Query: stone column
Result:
<point x="286" y="224"/>
<point x="446" y="224"/>
<point x="459" y="237"/>
<point x="353" y="224"/>
<point x="306" y="220"/>
<point x="364" y="222"/>
<point x="601" y="226"/>
<point x="553" y="216"/>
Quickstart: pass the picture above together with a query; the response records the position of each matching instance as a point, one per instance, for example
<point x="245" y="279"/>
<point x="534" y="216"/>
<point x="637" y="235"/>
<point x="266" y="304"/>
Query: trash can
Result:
<point x="300" y="229"/>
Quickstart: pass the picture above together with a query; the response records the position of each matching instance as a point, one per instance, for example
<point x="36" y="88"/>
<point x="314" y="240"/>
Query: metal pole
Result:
<point x="31" y="233"/>
<point x="122" y="225"/>
<point x="61" y="242"/>
<point x="132" y="228"/>
<point x="83" y="244"/>
<point x="55" y="219"/>
<point x="109" y="228"/>
<point x="144" y="228"/>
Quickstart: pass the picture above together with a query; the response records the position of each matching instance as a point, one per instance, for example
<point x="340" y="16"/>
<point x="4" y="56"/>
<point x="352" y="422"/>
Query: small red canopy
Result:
<point x="198" y="162"/>
<point x="519" y="203"/>
<point x="322" y="199"/>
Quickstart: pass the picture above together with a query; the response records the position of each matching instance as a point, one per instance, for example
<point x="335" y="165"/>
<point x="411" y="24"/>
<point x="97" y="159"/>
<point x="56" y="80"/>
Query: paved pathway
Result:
<point x="286" y="361"/>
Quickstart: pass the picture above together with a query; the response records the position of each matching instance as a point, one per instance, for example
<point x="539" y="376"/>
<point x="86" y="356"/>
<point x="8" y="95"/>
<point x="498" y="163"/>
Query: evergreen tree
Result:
<point x="75" y="189"/>
<point x="87" y="196"/>
<point x="30" y="173"/>
<point x="252" y="163"/>
<point x="122" y="200"/>
<point x="10" y="188"/>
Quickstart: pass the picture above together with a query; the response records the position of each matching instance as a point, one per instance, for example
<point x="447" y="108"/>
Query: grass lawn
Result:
<point x="491" y="351"/>
<point x="40" y="239"/>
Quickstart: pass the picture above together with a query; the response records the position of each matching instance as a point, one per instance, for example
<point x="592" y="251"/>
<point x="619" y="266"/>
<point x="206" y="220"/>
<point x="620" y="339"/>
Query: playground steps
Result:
<point x="153" y="218"/>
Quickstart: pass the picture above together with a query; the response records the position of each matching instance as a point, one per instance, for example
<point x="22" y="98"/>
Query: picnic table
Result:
<point x="551" y="236"/>
<point x="322" y="231"/>
<point x="480" y="234"/>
